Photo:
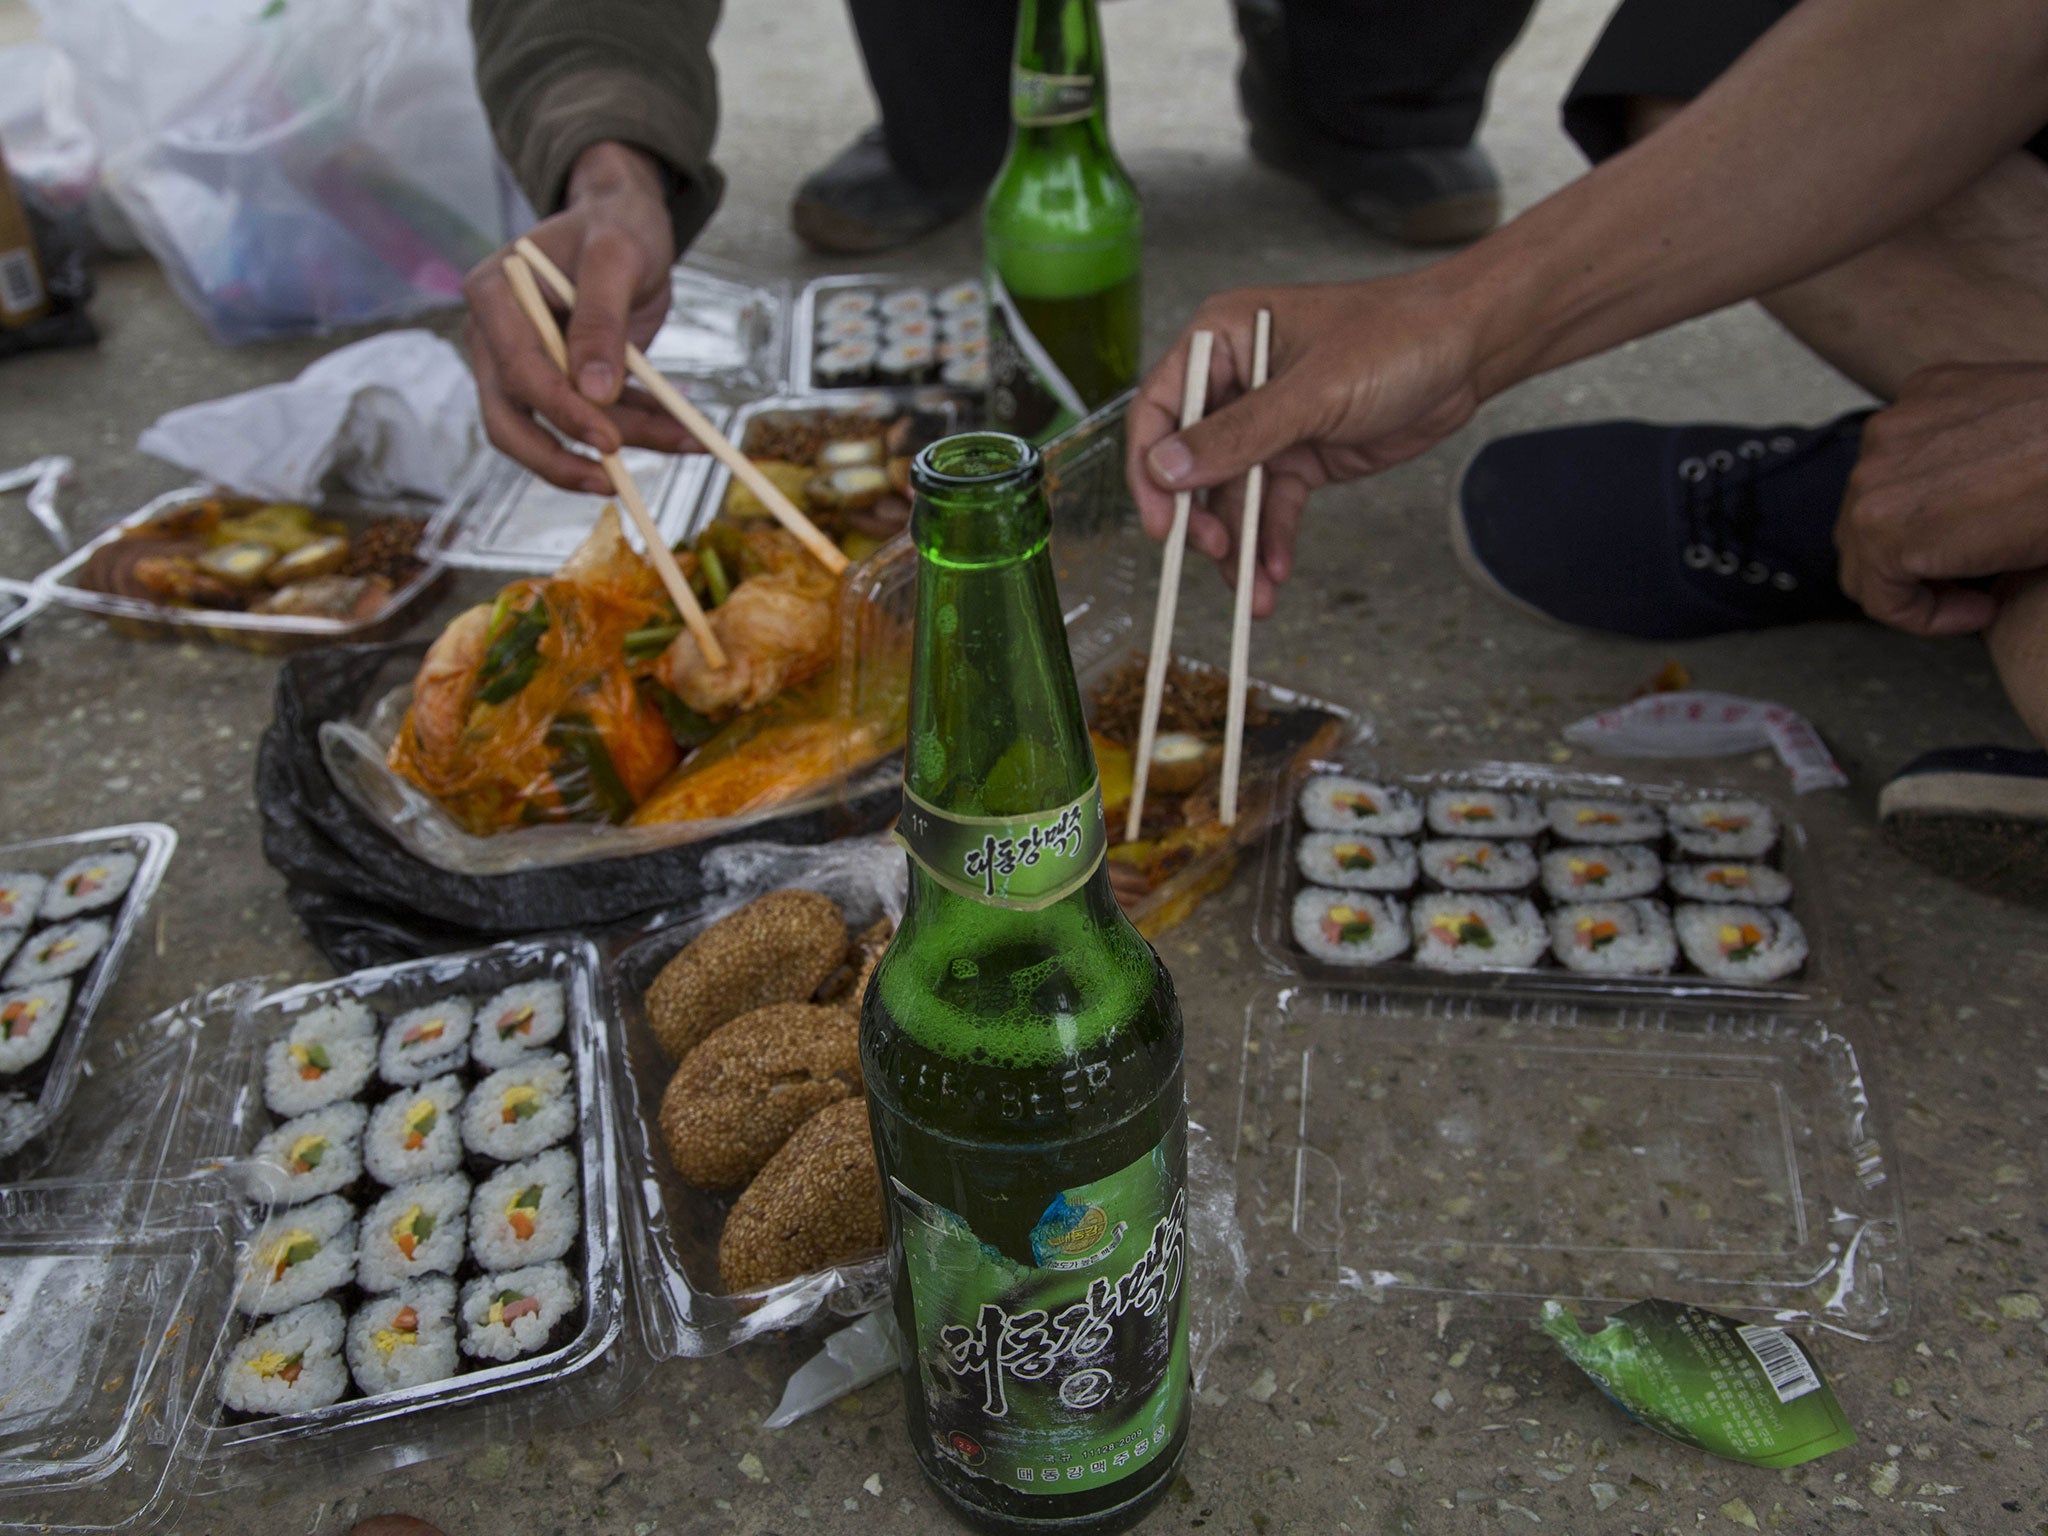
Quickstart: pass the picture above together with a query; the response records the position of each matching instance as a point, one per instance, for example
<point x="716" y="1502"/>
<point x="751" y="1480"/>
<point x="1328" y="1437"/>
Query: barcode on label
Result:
<point x="1792" y="1374"/>
<point x="20" y="289"/>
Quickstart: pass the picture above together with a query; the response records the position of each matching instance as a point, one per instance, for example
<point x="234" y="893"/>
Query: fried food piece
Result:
<point x="818" y="1202"/>
<point x="774" y="950"/>
<point x="738" y="1096"/>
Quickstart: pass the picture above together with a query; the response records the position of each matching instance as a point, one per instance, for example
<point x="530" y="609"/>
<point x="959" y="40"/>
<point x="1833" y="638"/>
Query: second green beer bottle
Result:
<point x="1022" y="1047"/>
<point x="1062" y="232"/>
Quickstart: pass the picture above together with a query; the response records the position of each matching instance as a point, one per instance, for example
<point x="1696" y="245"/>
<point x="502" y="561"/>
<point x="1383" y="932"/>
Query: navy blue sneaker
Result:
<point x="1976" y="814"/>
<point x="1661" y="532"/>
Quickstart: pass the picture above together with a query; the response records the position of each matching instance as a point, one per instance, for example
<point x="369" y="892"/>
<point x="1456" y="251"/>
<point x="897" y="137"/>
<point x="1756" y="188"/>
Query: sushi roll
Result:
<point x="520" y="1312"/>
<point x="1484" y="813"/>
<point x="526" y="1212"/>
<point x="88" y="884"/>
<point x="849" y="328"/>
<point x="849" y="303"/>
<point x="1614" y="938"/>
<point x="906" y="362"/>
<point x="314" y="1155"/>
<point x="964" y="330"/>
<point x="906" y="332"/>
<point x="346" y="1018"/>
<point x="310" y="1068"/>
<point x="10" y="941"/>
<point x="1330" y="803"/>
<point x="426" y="1042"/>
<point x="416" y="1134"/>
<point x="1604" y="821"/>
<point x="1460" y="932"/>
<point x="64" y="950"/>
<point x="1355" y="861"/>
<point x="415" y="1230"/>
<point x="1758" y="884"/>
<point x="1474" y="864"/>
<point x="950" y="349"/>
<point x="905" y="304"/>
<point x="21" y="893"/>
<point x="29" y="1021"/>
<point x="847" y="365"/>
<point x="1349" y="929"/>
<point x="291" y="1364"/>
<point x="1742" y="943"/>
<point x="1617" y="873"/>
<point x="298" y="1256"/>
<point x="519" y="1019"/>
<point x="1726" y="828"/>
<point x="405" y="1339"/>
<point x="966" y="298"/>
<point x="966" y="375"/>
<point x="521" y="1109"/>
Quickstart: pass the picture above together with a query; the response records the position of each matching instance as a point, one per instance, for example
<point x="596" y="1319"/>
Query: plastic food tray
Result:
<point x="18" y="604"/>
<point x="53" y="1080"/>
<point x="803" y="338"/>
<point x="1813" y="985"/>
<point x="270" y="633"/>
<point x="676" y="1235"/>
<point x="1515" y="1149"/>
<point x="725" y="328"/>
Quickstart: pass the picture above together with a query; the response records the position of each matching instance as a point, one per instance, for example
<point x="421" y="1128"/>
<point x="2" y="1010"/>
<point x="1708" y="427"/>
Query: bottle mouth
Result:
<point x="975" y="461"/>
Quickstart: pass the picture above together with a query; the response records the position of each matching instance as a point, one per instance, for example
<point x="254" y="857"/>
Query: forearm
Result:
<point x="559" y="76"/>
<point x="1847" y="121"/>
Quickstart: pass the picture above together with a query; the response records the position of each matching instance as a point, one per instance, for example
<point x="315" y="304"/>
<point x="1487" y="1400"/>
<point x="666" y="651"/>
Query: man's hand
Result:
<point x="613" y="240"/>
<point x="1952" y="486"/>
<point x="1362" y="376"/>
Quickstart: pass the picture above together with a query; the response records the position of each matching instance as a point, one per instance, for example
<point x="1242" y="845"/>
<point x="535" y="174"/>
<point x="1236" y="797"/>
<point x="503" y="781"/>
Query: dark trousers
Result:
<point x="1364" y="74"/>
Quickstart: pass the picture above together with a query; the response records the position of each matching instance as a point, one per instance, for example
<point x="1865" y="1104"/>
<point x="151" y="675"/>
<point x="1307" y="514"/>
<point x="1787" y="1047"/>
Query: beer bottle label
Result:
<point x="1071" y="1372"/>
<point x="1041" y="100"/>
<point x="1028" y="393"/>
<point x="1020" y="862"/>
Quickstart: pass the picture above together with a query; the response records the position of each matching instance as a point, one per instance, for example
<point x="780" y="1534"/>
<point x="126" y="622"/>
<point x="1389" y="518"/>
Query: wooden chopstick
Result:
<point x="1194" y="395"/>
<point x="527" y="291"/>
<point x="716" y="443"/>
<point x="1241" y="613"/>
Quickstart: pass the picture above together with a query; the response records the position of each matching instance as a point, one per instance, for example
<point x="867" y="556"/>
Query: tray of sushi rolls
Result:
<point x="432" y="1212"/>
<point x="1516" y="875"/>
<point x="68" y="909"/>
<point x="870" y="330"/>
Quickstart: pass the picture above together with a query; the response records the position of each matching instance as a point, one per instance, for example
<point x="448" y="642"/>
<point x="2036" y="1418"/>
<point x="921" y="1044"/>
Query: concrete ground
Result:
<point x="1406" y="1414"/>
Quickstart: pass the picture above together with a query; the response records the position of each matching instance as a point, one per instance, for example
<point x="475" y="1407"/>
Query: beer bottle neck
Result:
<point x="1059" y="89"/>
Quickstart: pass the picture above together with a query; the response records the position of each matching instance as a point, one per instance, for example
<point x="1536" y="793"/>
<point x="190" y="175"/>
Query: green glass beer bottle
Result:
<point x="1061" y="233"/>
<point x="1022" y="1048"/>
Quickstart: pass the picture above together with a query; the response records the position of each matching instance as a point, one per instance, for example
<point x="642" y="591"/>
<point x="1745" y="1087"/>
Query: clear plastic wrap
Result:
<point x="725" y="328"/>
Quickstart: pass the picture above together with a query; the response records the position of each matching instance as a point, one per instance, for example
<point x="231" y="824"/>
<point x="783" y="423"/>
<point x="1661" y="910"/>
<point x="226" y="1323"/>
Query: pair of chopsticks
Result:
<point x="1194" y="399"/>
<point x="526" y="260"/>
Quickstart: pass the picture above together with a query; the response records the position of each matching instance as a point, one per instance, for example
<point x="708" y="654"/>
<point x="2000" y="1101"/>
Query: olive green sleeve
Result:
<point x="560" y="75"/>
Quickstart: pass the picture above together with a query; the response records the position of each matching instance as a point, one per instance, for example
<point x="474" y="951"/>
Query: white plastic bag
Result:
<point x="293" y="164"/>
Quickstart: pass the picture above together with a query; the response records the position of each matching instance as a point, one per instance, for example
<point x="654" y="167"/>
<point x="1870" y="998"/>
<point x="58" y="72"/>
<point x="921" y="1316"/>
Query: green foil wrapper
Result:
<point x="1750" y="1392"/>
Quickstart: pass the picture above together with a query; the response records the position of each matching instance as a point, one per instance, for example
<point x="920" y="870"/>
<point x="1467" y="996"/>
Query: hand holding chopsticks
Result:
<point x="527" y="292"/>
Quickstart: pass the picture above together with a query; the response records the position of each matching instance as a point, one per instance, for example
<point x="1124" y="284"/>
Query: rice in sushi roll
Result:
<point x="415" y="1230"/>
<point x="849" y="328"/>
<point x="905" y="304"/>
<point x="314" y="1155"/>
<point x="10" y="941"/>
<point x="1725" y="828"/>
<point x="345" y="1018"/>
<point x="1331" y="803"/>
<point x="965" y="298"/>
<point x="1605" y="821"/>
<point x="416" y="1134"/>
<point x="310" y="1069"/>
<point x="64" y="950"/>
<point x="29" y="1021"/>
<point x="1349" y="929"/>
<point x="1470" y="932"/>
<point x="847" y="302"/>
<point x="291" y="1364"/>
<point x="1616" y="873"/>
<point x="527" y="1212"/>
<point x="298" y="1256"/>
<point x="519" y="1019"/>
<point x="521" y="1109"/>
<point x="426" y="1042"/>
<point x="21" y="893"/>
<point x="1614" y="938"/>
<point x="846" y="364"/>
<point x="1356" y="861"/>
<point x="516" y="1313"/>
<point x="1474" y="864"/>
<point x="1758" y="884"/>
<point x="405" y="1339"/>
<point x="88" y="884"/>
<point x="1742" y="943"/>
<point x="1484" y="813"/>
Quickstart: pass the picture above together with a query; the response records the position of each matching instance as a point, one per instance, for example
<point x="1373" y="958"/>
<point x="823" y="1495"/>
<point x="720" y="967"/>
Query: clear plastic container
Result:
<point x="1814" y="984"/>
<point x="809" y="322"/>
<point x="18" y="604"/>
<point x="32" y="1102"/>
<point x="726" y="328"/>
<point x="140" y="619"/>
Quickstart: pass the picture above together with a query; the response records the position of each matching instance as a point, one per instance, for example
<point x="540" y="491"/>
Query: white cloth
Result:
<point x="391" y="415"/>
